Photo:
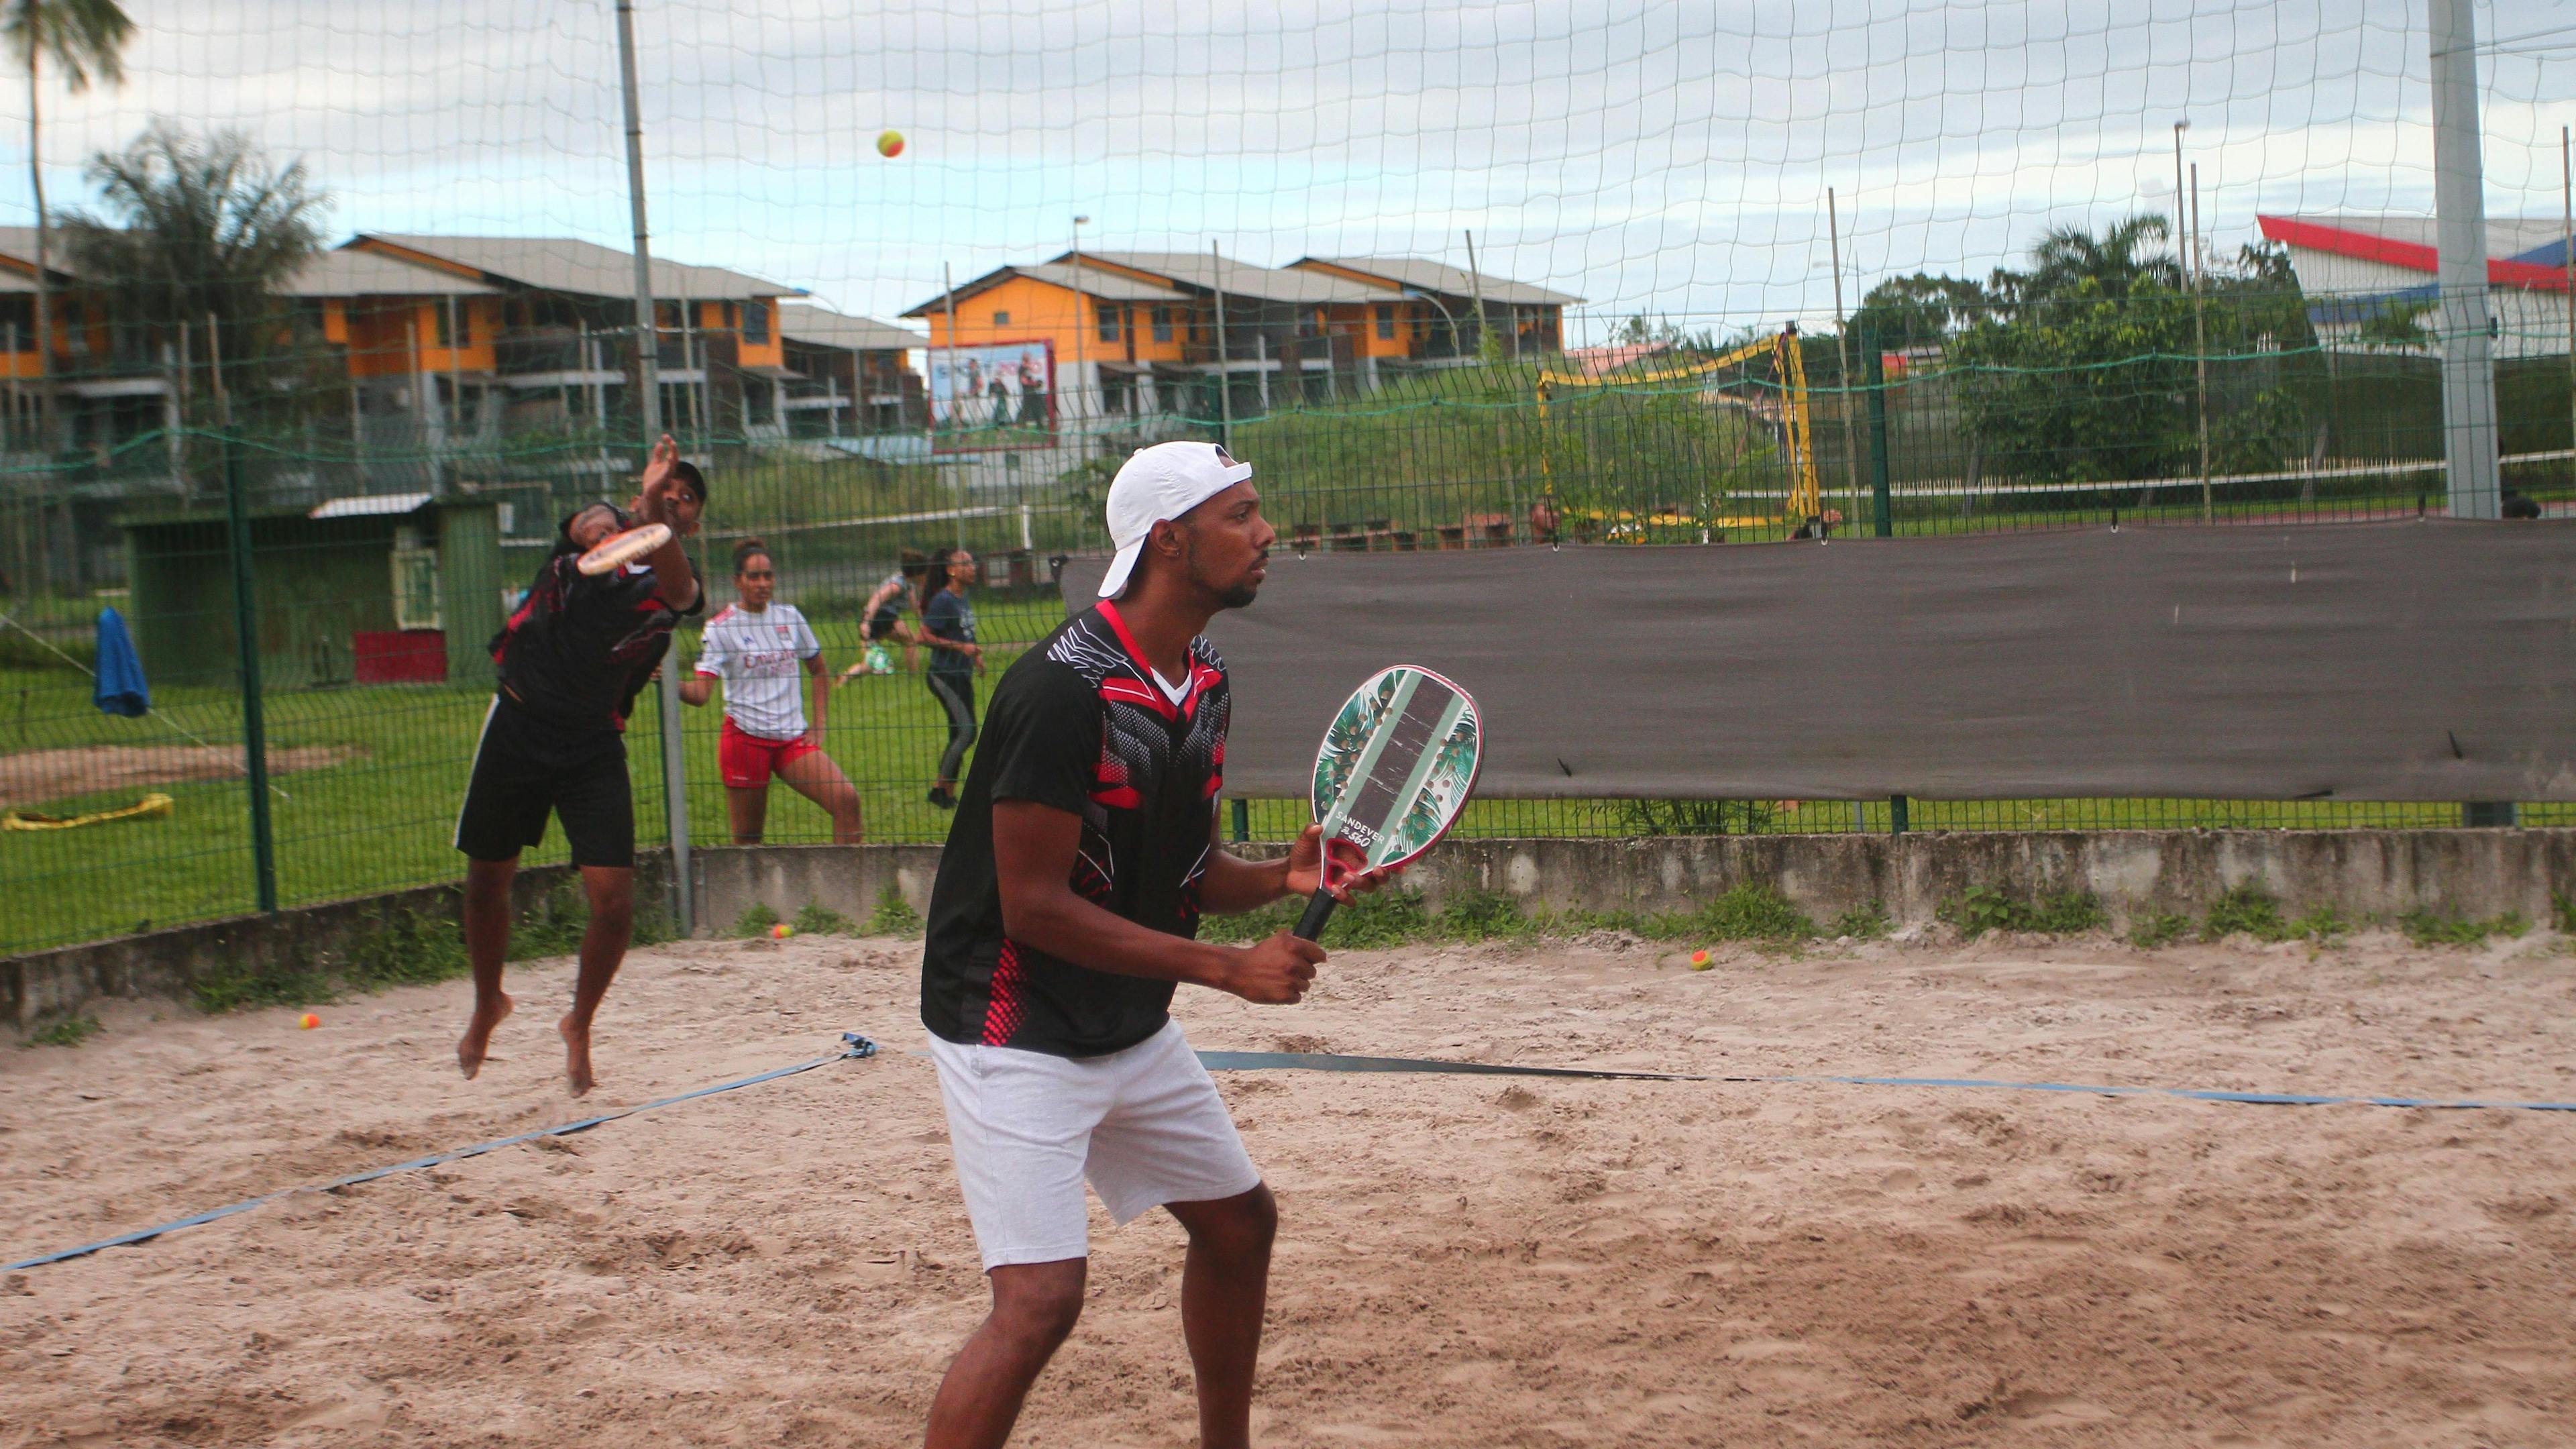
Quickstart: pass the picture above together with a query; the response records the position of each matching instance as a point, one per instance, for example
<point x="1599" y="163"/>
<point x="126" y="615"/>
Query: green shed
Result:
<point x="381" y="589"/>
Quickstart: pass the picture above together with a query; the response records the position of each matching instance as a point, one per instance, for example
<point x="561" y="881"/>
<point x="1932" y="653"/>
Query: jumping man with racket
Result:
<point x="1062" y="918"/>
<point x="572" y="659"/>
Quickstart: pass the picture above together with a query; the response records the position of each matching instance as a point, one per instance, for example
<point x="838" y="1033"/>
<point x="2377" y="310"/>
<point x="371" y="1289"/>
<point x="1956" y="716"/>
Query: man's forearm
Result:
<point x="1232" y="886"/>
<point x="1067" y="927"/>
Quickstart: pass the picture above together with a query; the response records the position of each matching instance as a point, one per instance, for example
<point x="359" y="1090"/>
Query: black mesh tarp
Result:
<point x="2396" y="661"/>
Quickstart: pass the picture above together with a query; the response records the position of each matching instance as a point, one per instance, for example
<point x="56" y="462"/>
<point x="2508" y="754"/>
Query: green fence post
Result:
<point x="1896" y="813"/>
<point x="263" y="842"/>
<point x="1242" y="820"/>
<point x="1874" y="376"/>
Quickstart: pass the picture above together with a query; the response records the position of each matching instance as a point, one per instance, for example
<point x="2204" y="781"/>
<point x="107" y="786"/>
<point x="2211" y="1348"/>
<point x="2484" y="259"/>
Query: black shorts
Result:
<point x="878" y="628"/>
<point x="524" y="769"/>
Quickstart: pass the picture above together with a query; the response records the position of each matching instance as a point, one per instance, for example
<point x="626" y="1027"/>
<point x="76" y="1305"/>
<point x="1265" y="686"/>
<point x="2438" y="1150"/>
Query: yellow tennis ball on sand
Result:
<point x="1699" y="960"/>
<point x="781" y="931"/>
<point x="308" y="1021"/>
<point x="889" y="144"/>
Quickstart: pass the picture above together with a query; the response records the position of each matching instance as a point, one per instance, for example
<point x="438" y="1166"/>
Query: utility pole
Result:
<point x="1842" y="356"/>
<point x="1476" y="285"/>
<point x="2200" y="340"/>
<point x="1081" y="438"/>
<point x="2567" y="258"/>
<point x="1224" y="378"/>
<point x="648" y="376"/>
<point x="2459" y="204"/>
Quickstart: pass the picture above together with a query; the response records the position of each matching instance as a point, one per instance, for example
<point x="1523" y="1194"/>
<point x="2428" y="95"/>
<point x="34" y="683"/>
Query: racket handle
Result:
<point x="1319" y="909"/>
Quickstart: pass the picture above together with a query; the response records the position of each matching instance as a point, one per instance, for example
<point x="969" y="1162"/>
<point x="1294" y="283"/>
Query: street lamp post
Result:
<point x="1081" y="437"/>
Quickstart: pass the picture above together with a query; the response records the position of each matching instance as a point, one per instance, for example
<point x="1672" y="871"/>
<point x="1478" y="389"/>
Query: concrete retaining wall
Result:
<point x="2361" y="873"/>
<point x="58" y="983"/>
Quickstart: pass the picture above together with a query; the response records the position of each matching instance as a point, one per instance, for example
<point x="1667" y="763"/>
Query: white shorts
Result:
<point x="1145" y="1125"/>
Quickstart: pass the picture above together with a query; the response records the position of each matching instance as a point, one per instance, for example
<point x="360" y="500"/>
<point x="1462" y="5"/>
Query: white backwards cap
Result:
<point x="1157" y="484"/>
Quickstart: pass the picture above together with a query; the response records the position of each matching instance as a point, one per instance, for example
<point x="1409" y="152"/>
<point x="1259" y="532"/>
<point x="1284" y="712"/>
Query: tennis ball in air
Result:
<point x="781" y="931"/>
<point x="1699" y="960"/>
<point x="889" y="144"/>
<point x="308" y="1021"/>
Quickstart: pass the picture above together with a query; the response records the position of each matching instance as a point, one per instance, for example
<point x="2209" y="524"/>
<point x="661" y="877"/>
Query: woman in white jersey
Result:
<point x="758" y="647"/>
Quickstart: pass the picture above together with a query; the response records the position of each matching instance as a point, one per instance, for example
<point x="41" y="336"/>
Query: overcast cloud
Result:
<point x="1660" y="157"/>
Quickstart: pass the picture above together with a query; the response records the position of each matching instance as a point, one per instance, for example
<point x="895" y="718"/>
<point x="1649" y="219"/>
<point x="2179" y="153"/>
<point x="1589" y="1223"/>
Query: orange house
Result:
<point x="560" y="334"/>
<point x="1107" y="331"/>
<point x="1434" y="309"/>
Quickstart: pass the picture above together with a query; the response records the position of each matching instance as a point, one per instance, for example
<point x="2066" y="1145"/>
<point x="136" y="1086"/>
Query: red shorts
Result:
<point x="747" y="760"/>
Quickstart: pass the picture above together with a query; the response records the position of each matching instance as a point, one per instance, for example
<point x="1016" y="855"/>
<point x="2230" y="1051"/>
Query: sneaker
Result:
<point x="942" y="798"/>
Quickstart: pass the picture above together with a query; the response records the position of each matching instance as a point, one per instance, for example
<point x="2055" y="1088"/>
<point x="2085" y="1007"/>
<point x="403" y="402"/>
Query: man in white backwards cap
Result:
<point x="1064" y="915"/>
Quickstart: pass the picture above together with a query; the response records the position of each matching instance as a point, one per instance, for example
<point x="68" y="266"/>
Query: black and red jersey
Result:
<point x="1079" y="724"/>
<point x="579" y="648"/>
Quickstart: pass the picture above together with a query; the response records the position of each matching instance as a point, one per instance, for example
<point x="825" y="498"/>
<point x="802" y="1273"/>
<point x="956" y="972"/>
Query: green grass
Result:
<point x="381" y="820"/>
<point x="755" y="921"/>
<point x="893" y="916"/>
<point x="1980" y="909"/>
<point x="2248" y="909"/>
<point x="71" y="1031"/>
<point x="2446" y="927"/>
<point x="820" y="920"/>
<point x="2150" y="929"/>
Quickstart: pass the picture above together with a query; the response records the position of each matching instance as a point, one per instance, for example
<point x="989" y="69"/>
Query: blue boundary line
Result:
<point x="854" y="1047"/>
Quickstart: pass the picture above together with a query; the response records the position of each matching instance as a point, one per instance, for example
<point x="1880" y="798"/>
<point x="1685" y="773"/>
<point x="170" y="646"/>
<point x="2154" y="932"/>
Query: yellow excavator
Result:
<point x="1806" y="510"/>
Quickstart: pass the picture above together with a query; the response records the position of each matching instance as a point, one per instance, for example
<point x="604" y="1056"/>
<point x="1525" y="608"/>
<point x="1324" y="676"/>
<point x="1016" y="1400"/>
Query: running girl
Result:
<point x="948" y="627"/>
<point x="757" y="646"/>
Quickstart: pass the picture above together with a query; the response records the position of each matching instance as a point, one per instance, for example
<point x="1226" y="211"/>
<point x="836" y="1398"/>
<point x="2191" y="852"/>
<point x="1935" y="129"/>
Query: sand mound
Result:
<point x="1464" y="1261"/>
<point x="36" y="776"/>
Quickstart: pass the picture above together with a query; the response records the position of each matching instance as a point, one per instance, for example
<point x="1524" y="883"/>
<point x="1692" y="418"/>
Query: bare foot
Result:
<point x="576" y="1055"/>
<point x="471" y="1047"/>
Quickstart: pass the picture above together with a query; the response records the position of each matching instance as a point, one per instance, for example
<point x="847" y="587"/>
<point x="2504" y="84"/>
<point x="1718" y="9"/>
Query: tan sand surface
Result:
<point x="1465" y="1261"/>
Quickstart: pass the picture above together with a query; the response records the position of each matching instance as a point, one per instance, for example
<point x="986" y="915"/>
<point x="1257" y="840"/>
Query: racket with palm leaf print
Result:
<point x="1395" y="770"/>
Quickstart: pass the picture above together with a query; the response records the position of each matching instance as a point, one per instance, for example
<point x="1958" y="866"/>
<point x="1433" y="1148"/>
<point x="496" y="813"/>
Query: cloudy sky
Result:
<point x="1670" y="158"/>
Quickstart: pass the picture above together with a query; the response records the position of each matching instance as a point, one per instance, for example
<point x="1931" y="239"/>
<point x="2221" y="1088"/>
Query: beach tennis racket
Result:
<point x="620" y="549"/>
<point x="1394" y="771"/>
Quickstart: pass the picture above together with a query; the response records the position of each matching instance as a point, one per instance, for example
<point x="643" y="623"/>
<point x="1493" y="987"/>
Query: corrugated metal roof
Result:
<point x="823" y="327"/>
<point x="563" y="264"/>
<point x="1430" y="276"/>
<point x="1242" y="279"/>
<point x="370" y="505"/>
<point x="20" y="242"/>
<point x="374" y="274"/>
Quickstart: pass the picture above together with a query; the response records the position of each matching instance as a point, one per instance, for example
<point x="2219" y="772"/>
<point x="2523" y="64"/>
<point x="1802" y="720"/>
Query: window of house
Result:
<point x="1162" y="324"/>
<point x="666" y="316"/>
<point x="1001" y="319"/>
<point x="1109" y="320"/>
<point x="1386" y="321"/>
<point x="463" y="315"/>
<point x="755" y="323"/>
<point x="1311" y="324"/>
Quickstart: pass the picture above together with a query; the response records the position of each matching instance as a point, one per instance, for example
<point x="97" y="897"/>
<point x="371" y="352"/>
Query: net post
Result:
<point x="263" y="839"/>
<point x="1874" y="377"/>
<point x="648" y="344"/>
<point x="2459" y="207"/>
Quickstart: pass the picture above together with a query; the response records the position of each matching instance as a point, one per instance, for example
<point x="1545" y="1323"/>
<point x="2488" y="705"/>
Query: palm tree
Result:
<point x="85" y="39"/>
<point x="198" y="229"/>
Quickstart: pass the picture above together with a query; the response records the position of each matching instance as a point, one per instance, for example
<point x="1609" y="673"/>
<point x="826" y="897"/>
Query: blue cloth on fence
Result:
<point x="121" y="689"/>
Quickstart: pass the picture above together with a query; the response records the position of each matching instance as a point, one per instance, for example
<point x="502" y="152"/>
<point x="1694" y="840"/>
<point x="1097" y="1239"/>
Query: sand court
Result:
<point x="1464" y="1260"/>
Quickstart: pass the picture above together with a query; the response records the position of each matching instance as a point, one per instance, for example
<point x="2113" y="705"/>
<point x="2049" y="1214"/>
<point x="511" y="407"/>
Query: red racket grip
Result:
<point x="1319" y="909"/>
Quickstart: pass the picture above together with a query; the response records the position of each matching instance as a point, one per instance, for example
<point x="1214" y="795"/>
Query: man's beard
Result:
<point x="1240" y="596"/>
